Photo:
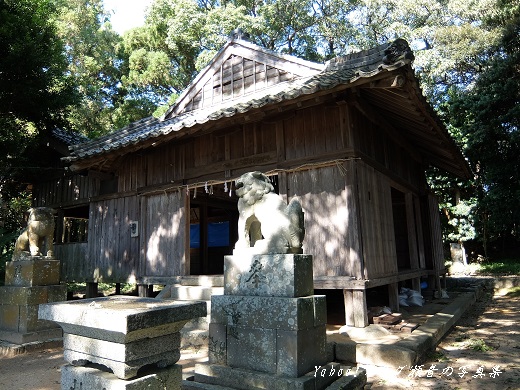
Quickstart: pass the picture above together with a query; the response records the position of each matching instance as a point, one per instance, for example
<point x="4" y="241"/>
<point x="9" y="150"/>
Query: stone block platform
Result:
<point x="276" y="275"/>
<point x="122" y="333"/>
<point x="268" y="330"/>
<point x="33" y="271"/>
<point x="29" y="283"/>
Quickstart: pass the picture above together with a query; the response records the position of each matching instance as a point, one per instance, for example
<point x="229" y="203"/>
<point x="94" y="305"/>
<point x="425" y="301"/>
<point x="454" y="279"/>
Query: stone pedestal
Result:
<point x="29" y="283"/>
<point x="123" y="334"/>
<point x="91" y="377"/>
<point x="268" y="329"/>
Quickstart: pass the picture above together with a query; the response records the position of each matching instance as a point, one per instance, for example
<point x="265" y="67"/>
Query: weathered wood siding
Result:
<point x="73" y="261"/>
<point x="112" y="253"/>
<point x="236" y="77"/>
<point x="163" y="240"/>
<point x="348" y="206"/>
<point x="132" y="173"/>
<point x="384" y="152"/>
<point x="66" y="190"/>
<point x="317" y="132"/>
<point x="377" y="227"/>
<point x="325" y="198"/>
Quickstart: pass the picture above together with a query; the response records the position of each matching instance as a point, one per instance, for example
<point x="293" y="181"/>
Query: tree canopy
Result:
<point x="486" y="115"/>
<point x="35" y="91"/>
<point x="62" y="64"/>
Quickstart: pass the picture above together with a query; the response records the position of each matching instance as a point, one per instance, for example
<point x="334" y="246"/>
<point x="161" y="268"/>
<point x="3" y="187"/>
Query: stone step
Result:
<point x="190" y="280"/>
<point x="192" y="385"/>
<point x="194" y="338"/>
<point x="193" y="293"/>
<point x="331" y="376"/>
<point x="202" y="280"/>
<point x="196" y="324"/>
<point x="195" y="332"/>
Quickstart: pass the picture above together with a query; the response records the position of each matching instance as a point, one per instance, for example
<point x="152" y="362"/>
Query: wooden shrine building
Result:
<point x="350" y="138"/>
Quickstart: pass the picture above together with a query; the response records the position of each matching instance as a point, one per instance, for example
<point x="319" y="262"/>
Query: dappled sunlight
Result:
<point x="153" y="253"/>
<point x="165" y="235"/>
<point x="323" y="196"/>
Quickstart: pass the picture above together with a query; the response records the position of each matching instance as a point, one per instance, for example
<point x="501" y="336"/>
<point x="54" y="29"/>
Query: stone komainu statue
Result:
<point x="266" y="224"/>
<point x="38" y="234"/>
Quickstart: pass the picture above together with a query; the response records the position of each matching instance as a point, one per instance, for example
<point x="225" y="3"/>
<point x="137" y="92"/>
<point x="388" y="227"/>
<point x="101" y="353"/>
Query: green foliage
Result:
<point x="104" y="288"/>
<point x="513" y="292"/>
<point x="479" y="345"/>
<point x="487" y="116"/>
<point x="436" y="356"/>
<point x="91" y="50"/>
<point x="62" y="64"/>
<point x="35" y="92"/>
<point x="13" y="205"/>
<point x="508" y="266"/>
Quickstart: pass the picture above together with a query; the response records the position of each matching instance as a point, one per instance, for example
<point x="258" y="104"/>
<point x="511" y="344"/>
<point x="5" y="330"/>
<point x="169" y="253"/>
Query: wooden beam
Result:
<point x="255" y="160"/>
<point x="339" y="282"/>
<point x="396" y="81"/>
<point x="350" y="283"/>
<point x="188" y="280"/>
<point x="145" y="290"/>
<point x="412" y="231"/>
<point x="186" y="264"/>
<point x="371" y="114"/>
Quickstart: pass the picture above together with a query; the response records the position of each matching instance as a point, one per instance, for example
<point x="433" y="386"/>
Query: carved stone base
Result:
<point x="92" y="377"/>
<point x="35" y="271"/>
<point x="238" y="378"/>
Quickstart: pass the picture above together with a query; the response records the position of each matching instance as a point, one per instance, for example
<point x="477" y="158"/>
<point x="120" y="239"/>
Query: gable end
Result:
<point x="236" y="77"/>
<point x="240" y="68"/>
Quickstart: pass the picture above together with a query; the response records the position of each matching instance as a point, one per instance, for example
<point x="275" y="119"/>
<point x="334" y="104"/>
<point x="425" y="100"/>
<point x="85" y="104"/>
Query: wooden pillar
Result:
<point x="416" y="284"/>
<point x="432" y="280"/>
<point x="145" y="290"/>
<point x="92" y="290"/>
<point x="393" y="296"/>
<point x="118" y="288"/>
<point x="203" y="247"/>
<point x="355" y="308"/>
<point x="349" y="312"/>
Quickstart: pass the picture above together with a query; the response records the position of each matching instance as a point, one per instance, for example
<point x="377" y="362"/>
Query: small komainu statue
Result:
<point x="38" y="234"/>
<point x="266" y="224"/>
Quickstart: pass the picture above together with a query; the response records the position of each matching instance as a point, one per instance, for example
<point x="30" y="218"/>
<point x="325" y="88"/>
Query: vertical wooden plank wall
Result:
<point x="112" y="253"/>
<point x="164" y="252"/>
<point x="314" y="132"/>
<point x="323" y="196"/>
<point x="377" y="229"/>
<point x="66" y="189"/>
<point x="73" y="261"/>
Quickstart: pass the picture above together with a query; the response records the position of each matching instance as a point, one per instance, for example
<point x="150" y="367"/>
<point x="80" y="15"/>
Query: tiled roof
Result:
<point x="341" y="70"/>
<point x="68" y="137"/>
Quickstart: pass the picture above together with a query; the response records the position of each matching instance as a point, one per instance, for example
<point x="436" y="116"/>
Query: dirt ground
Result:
<point x="481" y="352"/>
